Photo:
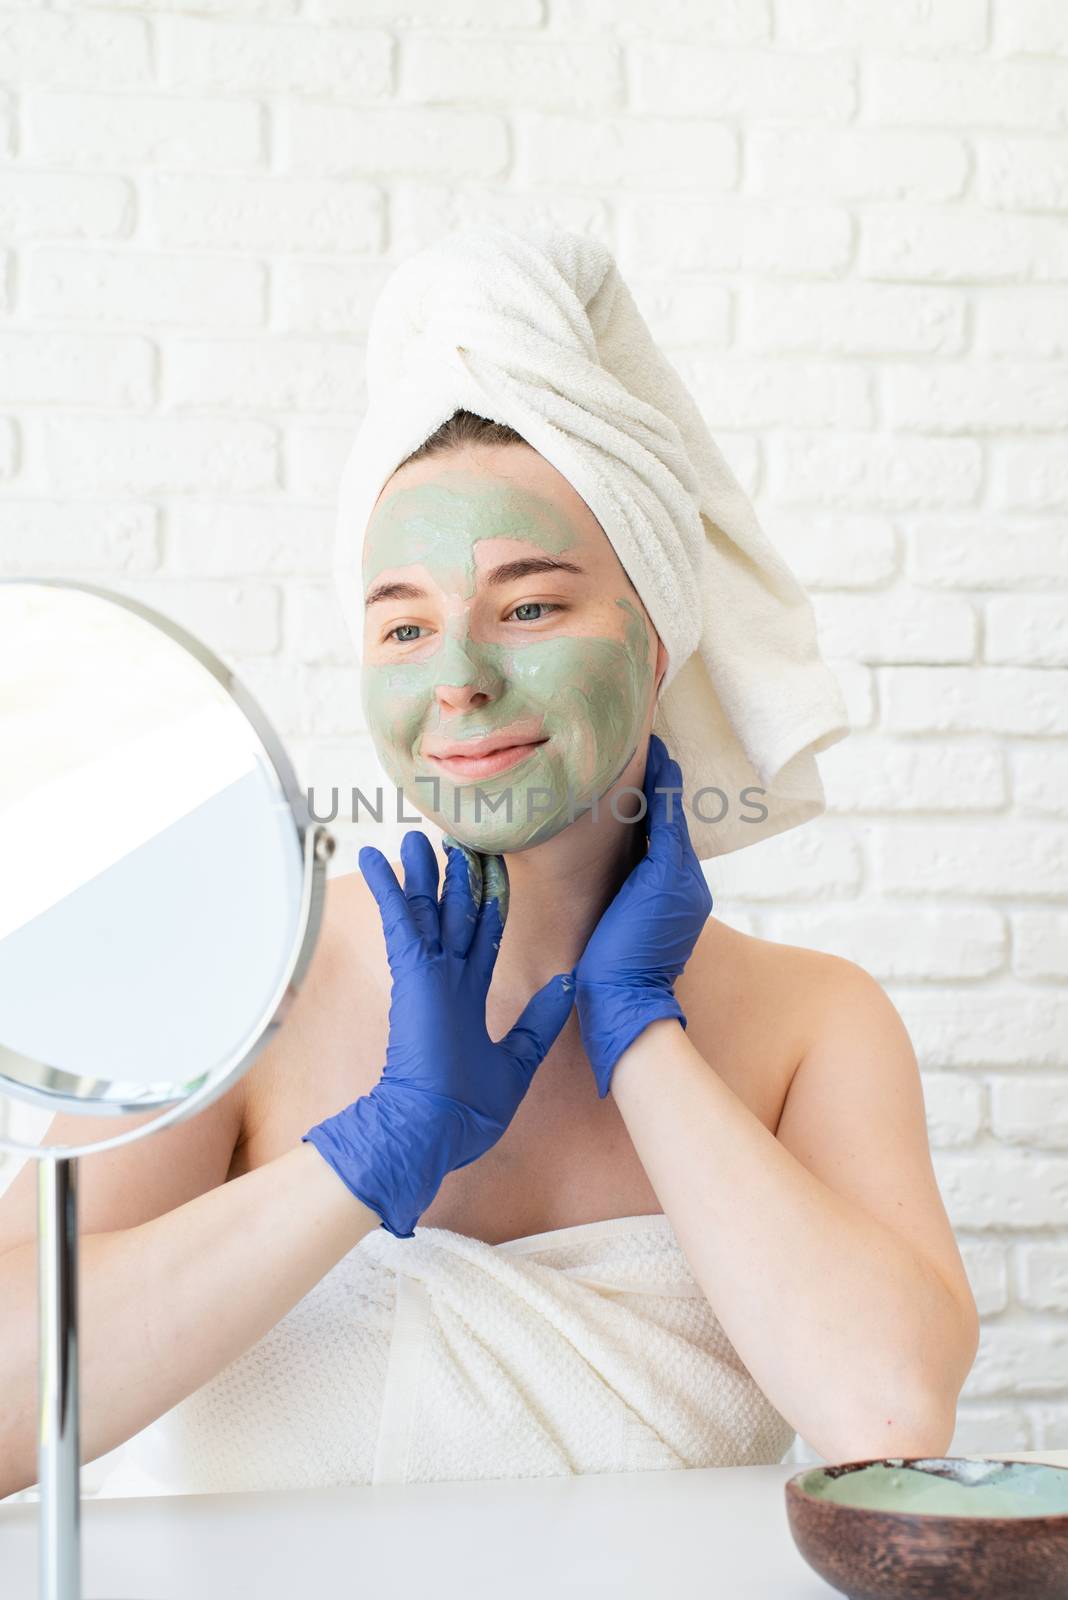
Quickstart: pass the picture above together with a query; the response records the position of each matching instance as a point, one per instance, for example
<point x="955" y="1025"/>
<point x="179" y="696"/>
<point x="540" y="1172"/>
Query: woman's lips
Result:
<point x="485" y="766"/>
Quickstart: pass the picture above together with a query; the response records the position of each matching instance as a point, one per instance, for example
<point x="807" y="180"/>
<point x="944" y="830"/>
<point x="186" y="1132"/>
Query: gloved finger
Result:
<point x="667" y="839"/>
<point x="531" y="1038"/>
<point x="495" y="884"/>
<point x="485" y="943"/>
<point x="461" y="895"/>
<point x="397" y="923"/>
<point x="421" y="883"/>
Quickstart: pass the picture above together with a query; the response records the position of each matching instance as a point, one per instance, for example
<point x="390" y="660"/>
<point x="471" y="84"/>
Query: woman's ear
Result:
<point x="661" y="662"/>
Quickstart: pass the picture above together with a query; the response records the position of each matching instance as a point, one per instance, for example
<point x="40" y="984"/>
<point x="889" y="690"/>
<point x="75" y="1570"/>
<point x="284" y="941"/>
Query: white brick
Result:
<point x="303" y="700"/>
<point x="46" y="47"/>
<point x="421" y="212"/>
<point x="855" y="164"/>
<point x="1043" y="1276"/>
<point x="1040" y="944"/>
<point x="873" y="471"/>
<point x="119" y="131"/>
<point x="833" y="552"/>
<point x="1006" y="857"/>
<point x="736" y="393"/>
<point x="9" y="447"/>
<point x="683" y="312"/>
<point x="961" y="246"/>
<point x="221" y="539"/>
<point x="426" y="13"/>
<point x="982" y="554"/>
<point x="38" y="538"/>
<point x="231" y="618"/>
<point x="751" y="239"/>
<point x="955" y="1109"/>
<point x="315" y="628"/>
<point x="1031" y="475"/>
<point x="661" y="153"/>
<point x="690" y="79"/>
<point x="986" y="1430"/>
<point x="1031" y="27"/>
<point x="270" y="214"/>
<point x="1017" y="1359"/>
<point x="1031" y="1111"/>
<point x="38" y="368"/>
<point x="857" y="684"/>
<point x="314" y="459"/>
<point x="155" y="455"/>
<point x="271" y="373"/>
<point x="1050" y="1424"/>
<point x="973" y="700"/>
<point x="802" y="864"/>
<point x="1022" y="174"/>
<point x="327" y="296"/>
<point x="896" y="625"/>
<point x="968" y="94"/>
<point x="50" y="205"/>
<point x="951" y="25"/>
<point x="851" y="319"/>
<point x="258" y="57"/>
<point x="920" y="946"/>
<point x="1040" y="779"/>
<point x="897" y="775"/>
<point x="141" y="287"/>
<point x="258" y="8"/>
<point x="970" y="397"/>
<point x="729" y="22"/>
<point x="1024" y="321"/>
<point x="1031" y="630"/>
<point x="987" y="1266"/>
<point x="553" y="74"/>
<point x="981" y="1027"/>
<point x="338" y="140"/>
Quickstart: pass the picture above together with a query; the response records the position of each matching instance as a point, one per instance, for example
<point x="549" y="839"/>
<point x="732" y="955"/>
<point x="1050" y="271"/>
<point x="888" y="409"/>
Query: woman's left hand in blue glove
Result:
<point x="625" y="977"/>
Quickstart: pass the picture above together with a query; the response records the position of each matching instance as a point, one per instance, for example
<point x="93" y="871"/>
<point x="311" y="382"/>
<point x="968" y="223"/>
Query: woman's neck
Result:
<point x="558" y="891"/>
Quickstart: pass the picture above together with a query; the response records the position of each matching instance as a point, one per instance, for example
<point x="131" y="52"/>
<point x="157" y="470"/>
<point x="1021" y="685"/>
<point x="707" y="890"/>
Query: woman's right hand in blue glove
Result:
<point x="447" y="1091"/>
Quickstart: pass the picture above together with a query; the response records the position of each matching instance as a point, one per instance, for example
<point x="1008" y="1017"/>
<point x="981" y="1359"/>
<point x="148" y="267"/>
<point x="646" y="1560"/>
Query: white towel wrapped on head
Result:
<point x="538" y="330"/>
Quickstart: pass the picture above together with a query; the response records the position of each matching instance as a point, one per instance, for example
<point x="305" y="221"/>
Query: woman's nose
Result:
<point x="464" y="677"/>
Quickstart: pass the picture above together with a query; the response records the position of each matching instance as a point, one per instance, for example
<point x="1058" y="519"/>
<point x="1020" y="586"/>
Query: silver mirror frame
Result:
<point x="59" y="1408"/>
<point x="49" y="1087"/>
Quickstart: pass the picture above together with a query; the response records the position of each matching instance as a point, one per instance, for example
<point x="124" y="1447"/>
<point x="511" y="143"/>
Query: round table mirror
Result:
<point x="161" y="885"/>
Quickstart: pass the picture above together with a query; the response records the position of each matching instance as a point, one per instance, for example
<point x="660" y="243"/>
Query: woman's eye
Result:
<point x="536" y="605"/>
<point x="394" y="632"/>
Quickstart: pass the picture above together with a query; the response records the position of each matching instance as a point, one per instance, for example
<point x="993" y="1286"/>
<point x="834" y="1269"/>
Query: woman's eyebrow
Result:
<point x="509" y="572"/>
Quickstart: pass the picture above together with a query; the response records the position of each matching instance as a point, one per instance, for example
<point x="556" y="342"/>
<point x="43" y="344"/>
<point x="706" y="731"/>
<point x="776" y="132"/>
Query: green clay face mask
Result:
<point x="580" y="679"/>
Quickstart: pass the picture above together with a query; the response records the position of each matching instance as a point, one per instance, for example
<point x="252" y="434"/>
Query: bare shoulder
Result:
<point x="754" y="1006"/>
<point x="331" y="1010"/>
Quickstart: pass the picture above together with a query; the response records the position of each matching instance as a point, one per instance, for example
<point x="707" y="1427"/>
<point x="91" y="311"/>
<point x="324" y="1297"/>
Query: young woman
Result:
<point x="687" y="1210"/>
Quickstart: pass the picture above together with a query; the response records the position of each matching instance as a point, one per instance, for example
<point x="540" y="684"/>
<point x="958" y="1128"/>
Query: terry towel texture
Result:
<point x="537" y="329"/>
<point x="586" y="1349"/>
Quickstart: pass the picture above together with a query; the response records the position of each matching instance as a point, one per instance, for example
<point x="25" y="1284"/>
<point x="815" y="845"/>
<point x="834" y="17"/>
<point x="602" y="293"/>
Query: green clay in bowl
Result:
<point x="940" y="1488"/>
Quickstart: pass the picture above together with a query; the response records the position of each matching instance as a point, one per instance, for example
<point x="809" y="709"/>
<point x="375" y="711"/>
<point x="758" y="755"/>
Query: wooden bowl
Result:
<point x="958" y="1554"/>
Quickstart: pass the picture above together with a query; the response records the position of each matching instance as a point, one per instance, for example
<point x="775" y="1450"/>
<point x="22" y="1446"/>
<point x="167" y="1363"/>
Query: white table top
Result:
<point x="644" y="1534"/>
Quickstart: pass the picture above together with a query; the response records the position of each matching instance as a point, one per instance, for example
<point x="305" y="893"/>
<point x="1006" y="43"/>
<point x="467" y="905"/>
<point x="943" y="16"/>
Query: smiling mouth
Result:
<point x="486" y="766"/>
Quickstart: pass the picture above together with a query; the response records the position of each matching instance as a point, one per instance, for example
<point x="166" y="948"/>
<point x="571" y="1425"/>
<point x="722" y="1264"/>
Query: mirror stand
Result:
<point x="58" y="1442"/>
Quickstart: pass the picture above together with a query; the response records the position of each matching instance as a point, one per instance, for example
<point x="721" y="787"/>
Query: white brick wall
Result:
<point x="847" y="225"/>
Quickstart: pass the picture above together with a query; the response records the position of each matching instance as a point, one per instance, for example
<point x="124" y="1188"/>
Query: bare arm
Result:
<point x="180" y="1270"/>
<point x="169" y="1303"/>
<point x="825" y="1250"/>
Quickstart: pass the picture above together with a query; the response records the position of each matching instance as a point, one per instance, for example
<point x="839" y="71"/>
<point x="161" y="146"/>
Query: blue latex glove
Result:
<point x="625" y="977"/>
<point x="447" y="1091"/>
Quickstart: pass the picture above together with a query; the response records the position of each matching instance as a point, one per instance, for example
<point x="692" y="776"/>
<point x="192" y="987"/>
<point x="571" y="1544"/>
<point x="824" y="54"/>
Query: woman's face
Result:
<point x="498" y="612"/>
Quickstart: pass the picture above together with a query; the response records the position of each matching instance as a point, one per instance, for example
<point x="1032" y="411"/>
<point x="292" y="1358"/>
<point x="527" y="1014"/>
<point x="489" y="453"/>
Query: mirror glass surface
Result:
<point x="151" y="865"/>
